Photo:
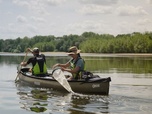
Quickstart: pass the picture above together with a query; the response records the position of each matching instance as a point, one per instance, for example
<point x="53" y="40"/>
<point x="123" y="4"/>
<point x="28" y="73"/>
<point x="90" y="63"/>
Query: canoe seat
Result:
<point x="25" y="69"/>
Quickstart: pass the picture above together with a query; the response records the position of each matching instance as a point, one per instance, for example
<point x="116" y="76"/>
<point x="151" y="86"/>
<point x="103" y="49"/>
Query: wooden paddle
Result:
<point x="20" y="68"/>
<point x="59" y="76"/>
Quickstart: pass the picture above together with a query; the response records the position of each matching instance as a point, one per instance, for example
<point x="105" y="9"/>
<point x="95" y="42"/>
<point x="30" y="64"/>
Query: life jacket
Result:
<point x="73" y="65"/>
<point x="40" y="66"/>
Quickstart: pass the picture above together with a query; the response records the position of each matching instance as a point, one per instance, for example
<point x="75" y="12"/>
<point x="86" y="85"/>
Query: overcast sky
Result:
<point x="20" y="18"/>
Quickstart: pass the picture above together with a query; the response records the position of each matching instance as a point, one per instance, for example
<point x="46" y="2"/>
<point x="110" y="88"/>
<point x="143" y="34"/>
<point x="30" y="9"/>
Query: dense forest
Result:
<point x="88" y="42"/>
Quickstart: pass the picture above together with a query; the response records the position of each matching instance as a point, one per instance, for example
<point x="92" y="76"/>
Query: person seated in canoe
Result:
<point x="38" y="62"/>
<point x="75" y="65"/>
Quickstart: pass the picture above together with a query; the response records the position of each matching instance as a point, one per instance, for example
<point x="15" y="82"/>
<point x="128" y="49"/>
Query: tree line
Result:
<point x="88" y="42"/>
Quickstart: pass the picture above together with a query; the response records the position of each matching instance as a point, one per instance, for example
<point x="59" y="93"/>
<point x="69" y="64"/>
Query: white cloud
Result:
<point x="149" y="1"/>
<point x="36" y="6"/>
<point x="122" y="27"/>
<point x="21" y="19"/>
<point x="32" y="29"/>
<point x="23" y="3"/>
<point x="87" y="25"/>
<point x="143" y="21"/>
<point x="141" y="25"/>
<point x="54" y="2"/>
<point x="38" y="19"/>
<point x="11" y="26"/>
<point x="130" y="10"/>
<point x="99" y="2"/>
<point x="95" y="9"/>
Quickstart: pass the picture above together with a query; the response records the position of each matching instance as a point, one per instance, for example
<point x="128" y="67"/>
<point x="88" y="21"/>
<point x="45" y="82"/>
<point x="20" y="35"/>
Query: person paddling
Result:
<point x="38" y="62"/>
<point x="75" y="65"/>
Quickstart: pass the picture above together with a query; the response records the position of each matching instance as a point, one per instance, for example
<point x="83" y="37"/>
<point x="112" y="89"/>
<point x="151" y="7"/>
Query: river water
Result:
<point x="130" y="89"/>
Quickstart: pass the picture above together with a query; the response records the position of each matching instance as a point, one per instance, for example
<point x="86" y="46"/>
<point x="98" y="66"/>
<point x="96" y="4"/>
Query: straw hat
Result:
<point x="73" y="50"/>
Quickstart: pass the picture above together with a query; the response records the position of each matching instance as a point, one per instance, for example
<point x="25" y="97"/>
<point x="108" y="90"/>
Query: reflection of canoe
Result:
<point x="93" y="85"/>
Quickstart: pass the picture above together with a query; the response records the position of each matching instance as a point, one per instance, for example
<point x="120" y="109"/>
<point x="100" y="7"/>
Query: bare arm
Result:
<point x="29" y="50"/>
<point x="75" y="70"/>
<point x="62" y="65"/>
<point x="23" y="63"/>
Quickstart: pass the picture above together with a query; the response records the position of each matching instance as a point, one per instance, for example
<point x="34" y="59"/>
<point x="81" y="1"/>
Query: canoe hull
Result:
<point x="94" y="86"/>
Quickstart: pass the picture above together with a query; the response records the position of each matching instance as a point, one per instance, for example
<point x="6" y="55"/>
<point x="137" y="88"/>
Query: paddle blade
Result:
<point x="59" y="76"/>
<point x="19" y="68"/>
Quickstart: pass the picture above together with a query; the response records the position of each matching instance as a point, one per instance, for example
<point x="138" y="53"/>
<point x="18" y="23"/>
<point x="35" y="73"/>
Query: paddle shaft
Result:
<point x="20" y="69"/>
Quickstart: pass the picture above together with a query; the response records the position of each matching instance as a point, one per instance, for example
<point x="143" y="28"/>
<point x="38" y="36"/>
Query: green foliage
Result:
<point x="88" y="42"/>
<point x="1" y="44"/>
<point x="129" y="43"/>
<point x="45" y="46"/>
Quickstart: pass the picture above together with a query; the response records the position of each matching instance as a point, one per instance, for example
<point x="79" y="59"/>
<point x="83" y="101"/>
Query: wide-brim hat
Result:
<point x="73" y="50"/>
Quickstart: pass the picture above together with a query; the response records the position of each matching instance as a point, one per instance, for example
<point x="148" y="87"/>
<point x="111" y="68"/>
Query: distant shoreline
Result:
<point x="84" y="54"/>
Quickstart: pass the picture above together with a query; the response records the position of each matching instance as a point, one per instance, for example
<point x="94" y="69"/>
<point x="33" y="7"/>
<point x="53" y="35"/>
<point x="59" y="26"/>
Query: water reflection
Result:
<point x="10" y="59"/>
<point x="90" y="104"/>
<point x="47" y="100"/>
<point x="120" y="64"/>
<point x="34" y="100"/>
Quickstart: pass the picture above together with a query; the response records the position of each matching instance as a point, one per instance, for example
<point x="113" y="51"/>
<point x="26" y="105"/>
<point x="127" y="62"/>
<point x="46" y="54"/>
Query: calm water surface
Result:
<point x="130" y="88"/>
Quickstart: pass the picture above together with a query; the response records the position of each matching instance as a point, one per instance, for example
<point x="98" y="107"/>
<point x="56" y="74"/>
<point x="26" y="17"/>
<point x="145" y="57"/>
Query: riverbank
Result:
<point x="84" y="54"/>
